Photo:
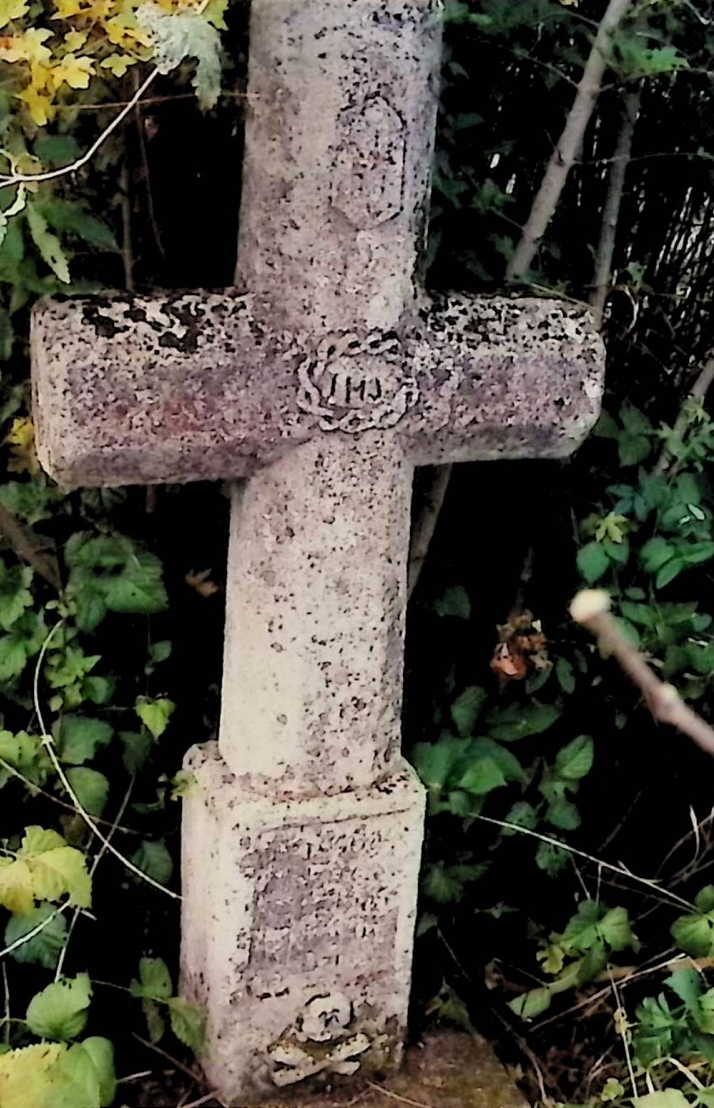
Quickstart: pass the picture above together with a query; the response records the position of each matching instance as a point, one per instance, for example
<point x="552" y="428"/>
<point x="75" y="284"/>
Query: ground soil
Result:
<point x="448" y="1069"/>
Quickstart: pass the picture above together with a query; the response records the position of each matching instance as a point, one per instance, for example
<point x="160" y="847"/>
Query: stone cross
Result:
<point x="324" y="378"/>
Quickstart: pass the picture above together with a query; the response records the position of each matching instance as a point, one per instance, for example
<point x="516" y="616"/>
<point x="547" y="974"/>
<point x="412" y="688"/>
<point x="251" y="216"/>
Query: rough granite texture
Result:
<point x="192" y="387"/>
<point x="298" y="930"/>
<point x="324" y="377"/>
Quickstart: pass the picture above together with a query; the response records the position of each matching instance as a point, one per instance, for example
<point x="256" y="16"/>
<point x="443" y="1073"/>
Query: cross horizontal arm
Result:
<point x="192" y="387"/>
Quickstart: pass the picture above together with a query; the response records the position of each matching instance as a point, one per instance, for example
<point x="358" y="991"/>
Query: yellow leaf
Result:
<point x="39" y="105"/>
<point x="118" y="64"/>
<point x="73" y="71"/>
<point x="16" y="887"/>
<point x="11" y="9"/>
<point x="28" y="1076"/>
<point x="56" y="868"/>
<point x="21" y="440"/>
<point x="75" y="40"/>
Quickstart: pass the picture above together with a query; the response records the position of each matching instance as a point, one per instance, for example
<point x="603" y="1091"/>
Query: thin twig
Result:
<point x="602" y="274"/>
<point x="8" y="180"/>
<point x="423" y="531"/>
<point x="568" y="145"/>
<point x="591" y="608"/>
<point x="664" y="893"/>
<point x="697" y="393"/>
<point x="49" y="744"/>
<point x="26" y="550"/>
<point x="167" y="1057"/>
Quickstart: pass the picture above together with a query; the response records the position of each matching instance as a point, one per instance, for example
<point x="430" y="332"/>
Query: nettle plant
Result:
<point x="83" y="646"/>
<point x="644" y="540"/>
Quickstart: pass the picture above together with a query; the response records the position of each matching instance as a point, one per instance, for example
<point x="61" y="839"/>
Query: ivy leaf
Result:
<point x="178" y="35"/>
<point x="154" y="714"/>
<point x="187" y="1022"/>
<point x="48" y="245"/>
<point x="81" y="736"/>
<point x="44" y="948"/>
<point x="90" y="787"/>
<point x="153" y="859"/>
<point x="60" y="1010"/>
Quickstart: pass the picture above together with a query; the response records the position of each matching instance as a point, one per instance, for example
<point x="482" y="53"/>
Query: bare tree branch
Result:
<point x="697" y="393"/>
<point x="591" y="607"/>
<point x="602" y="275"/>
<point x="425" y="525"/>
<point x="569" y="143"/>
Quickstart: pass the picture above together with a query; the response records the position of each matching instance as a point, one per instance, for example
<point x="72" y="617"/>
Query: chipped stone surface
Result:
<point x="324" y="377"/>
<point x="298" y="927"/>
<point x="193" y="387"/>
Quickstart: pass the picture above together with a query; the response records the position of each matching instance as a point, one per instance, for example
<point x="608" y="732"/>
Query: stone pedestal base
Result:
<point x="297" y="929"/>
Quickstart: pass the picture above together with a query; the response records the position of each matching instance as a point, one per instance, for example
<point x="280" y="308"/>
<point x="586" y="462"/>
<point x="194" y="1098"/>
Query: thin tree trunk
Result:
<point x="424" y="528"/>
<point x="568" y="146"/>
<point x="697" y="393"/>
<point x="602" y="275"/>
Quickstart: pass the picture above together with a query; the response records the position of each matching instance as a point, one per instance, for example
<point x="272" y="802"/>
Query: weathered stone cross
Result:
<point x="324" y="378"/>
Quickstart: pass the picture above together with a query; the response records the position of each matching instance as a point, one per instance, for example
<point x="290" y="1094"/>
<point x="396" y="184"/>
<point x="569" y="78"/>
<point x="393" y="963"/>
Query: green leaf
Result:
<point x="633" y="449"/>
<point x="616" y="931"/>
<point x="522" y="814"/>
<point x="694" y="934"/>
<point x="91" y="788"/>
<point x="27" y="754"/>
<point x="563" y="813"/>
<point x="482" y="776"/>
<point x="187" y="1022"/>
<point x="155" y="1023"/>
<point x="137" y="747"/>
<point x="565" y="674"/>
<point x="74" y="217"/>
<point x="704" y="899"/>
<point x="531" y="1004"/>
<point x="455" y="602"/>
<point x="86" y="1077"/>
<point x="178" y="35"/>
<point x="575" y="760"/>
<point x="60" y="1010"/>
<point x="506" y="761"/>
<point x="435" y="761"/>
<point x="669" y="571"/>
<point x="686" y="984"/>
<point x="44" y="948"/>
<point x="153" y="859"/>
<point x="154" y="714"/>
<point x="551" y="858"/>
<point x="516" y="722"/>
<point x="81" y="736"/>
<point x="154" y="980"/>
<point x="664" y="1098"/>
<point x="108" y="573"/>
<point x="15" y="596"/>
<point x="466" y="708"/>
<point x="592" y="562"/>
<point x="57" y="149"/>
<point x="48" y="245"/>
<point x="655" y="553"/>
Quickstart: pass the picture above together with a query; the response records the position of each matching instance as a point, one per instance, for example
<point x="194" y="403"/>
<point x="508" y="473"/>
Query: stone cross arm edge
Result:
<point x="193" y="387"/>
